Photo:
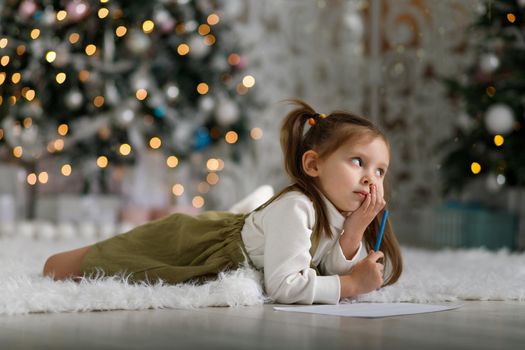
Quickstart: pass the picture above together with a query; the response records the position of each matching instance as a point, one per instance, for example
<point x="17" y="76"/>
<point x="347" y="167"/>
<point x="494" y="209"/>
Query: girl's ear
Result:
<point x="310" y="163"/>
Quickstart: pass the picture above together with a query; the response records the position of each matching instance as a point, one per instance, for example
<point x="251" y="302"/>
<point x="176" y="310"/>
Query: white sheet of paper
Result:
<point x="370" y="310"/>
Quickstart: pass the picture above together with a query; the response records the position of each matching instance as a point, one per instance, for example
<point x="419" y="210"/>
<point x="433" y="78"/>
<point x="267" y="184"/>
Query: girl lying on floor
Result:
<point x="313" y="240"/>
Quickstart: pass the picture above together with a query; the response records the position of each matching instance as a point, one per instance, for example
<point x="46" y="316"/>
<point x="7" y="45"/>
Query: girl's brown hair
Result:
<point x="325" y="137"/>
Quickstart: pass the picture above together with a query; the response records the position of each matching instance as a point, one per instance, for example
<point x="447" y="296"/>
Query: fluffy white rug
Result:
<point x="429" y="277"/>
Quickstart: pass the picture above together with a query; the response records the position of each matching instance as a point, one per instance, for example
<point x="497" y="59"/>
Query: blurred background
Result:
<point x="114" y="113"/>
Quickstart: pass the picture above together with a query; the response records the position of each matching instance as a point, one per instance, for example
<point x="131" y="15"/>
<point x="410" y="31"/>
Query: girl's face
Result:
<point x="346" y="175"/>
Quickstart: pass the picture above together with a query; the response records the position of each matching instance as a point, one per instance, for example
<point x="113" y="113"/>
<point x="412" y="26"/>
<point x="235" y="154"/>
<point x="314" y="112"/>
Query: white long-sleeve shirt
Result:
<point x="278" y="239"/>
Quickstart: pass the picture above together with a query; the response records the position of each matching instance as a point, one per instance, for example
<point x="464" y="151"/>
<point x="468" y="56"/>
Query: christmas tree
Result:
<point x="489" y="139"/>
<point x="92" y="83"/>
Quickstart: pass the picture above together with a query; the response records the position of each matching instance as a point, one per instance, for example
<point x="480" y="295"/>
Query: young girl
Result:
<point x="311" y="239"/>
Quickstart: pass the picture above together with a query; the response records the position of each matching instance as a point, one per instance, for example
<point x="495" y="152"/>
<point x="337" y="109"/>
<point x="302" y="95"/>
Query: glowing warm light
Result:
<point x="104" y="132"/>
<point x="221" y="164"/>
<point x="180" y="28"/>
<point x="213" y="19"/>
<point x="148" y="26"/>
<point x="511" y="17"/>
<point x="172" y="161"/>
<point x="155" y="142"/>
<point x="74" y="38"/>
<point x="61" y="77"/>
<point x="103" y="12"/>
<point x="125" y="149"/>
<point x="491" y="91"/>
<point x="177" y="189"/>
<point x="66" y="170"/>
<point x="31" y="179"/>
<point x="83" y="75"/>
<point x="4" y="61"/>
<point x="256" y="133"/>
<point x="62" y="129"/>
<point x="197" y="202"/>
<point x="102" y="161"/>
<point x="91" y="49"/>
<point x="183" y="49"/>
<point x="61" y="15"/>
<point x="212" y="178"/>
<point x="27" y="122"/>
<point x="204" y="29"/>
<point x="35" y="33"/>
<point x="2" y="77"/>
<point x="43" y="177"/>
<point x="209" y="39"/>
<point x="203" y="88"/>
<point x="51" y="56"/>
<point x="234" y="59"/>
<point x="3" y="43"/>
<point x="59" y="144"/>
<point x="241" y="89"/>
<point x="15" y="78"/>
<point x="248" y="81"/>
<point x="212" y="164"/>
<point x="18" y="151"/>
<point x="475" y="167"/>
<point x="20" y="50"/>
<point x="121" y="31"/>
<point x="51" y="147"/>
<point x="231" y="137"/>
<point x="1" y="134"/>
<point x="499" y="140"/>
<point x="30" y="95"/>
<point x="98" y="101"/>
<point x="141" y="94"/>
<point x="12" y="100"/>
<point x="203" y="187"/>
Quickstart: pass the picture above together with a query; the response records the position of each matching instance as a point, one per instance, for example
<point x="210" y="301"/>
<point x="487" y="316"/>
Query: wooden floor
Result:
<point x="476" y="325"/>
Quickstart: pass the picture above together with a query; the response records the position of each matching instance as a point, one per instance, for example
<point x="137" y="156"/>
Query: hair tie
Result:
<point x="313" y="120"/>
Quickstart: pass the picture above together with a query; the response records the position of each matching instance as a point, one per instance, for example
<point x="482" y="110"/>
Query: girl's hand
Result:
<point x="366" y="276"/>
<point x="359" y="220"/>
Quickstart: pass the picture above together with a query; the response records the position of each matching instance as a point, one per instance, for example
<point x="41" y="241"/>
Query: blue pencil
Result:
<point x="381" y="230"/>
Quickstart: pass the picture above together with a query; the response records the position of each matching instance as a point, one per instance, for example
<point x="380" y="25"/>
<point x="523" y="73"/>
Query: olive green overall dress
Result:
<point x="176" y="248"/>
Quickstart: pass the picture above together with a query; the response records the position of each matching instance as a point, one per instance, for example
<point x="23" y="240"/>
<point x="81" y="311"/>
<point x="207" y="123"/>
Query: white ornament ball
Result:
<point x="138" y="42"/>
<point x="49" y="16"/>
<point x="76" y="10"/>
<point x="227" y="112"/>
<point x="141" y="81"/>
<point x="465" y="122"/>
<point x="198" y="48"/>
<point x="74" y="99"/>
<point x="171" y="91"/>
<point x="355" y="24"/>
<point x="489" y="63"/>
<point x="27" y="8"/>
<point x="206" y="104"/>
<point x="125" y="116"/>
<point x="164" y="20"/>
<point x="499" y="119"/>
<point x="492" y="183"/>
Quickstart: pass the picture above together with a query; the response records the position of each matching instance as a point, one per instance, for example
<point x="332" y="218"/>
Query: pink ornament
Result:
<point x="27" y="9"/>
<point x="76" y="10"/>
<point x="243" y="62"/>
